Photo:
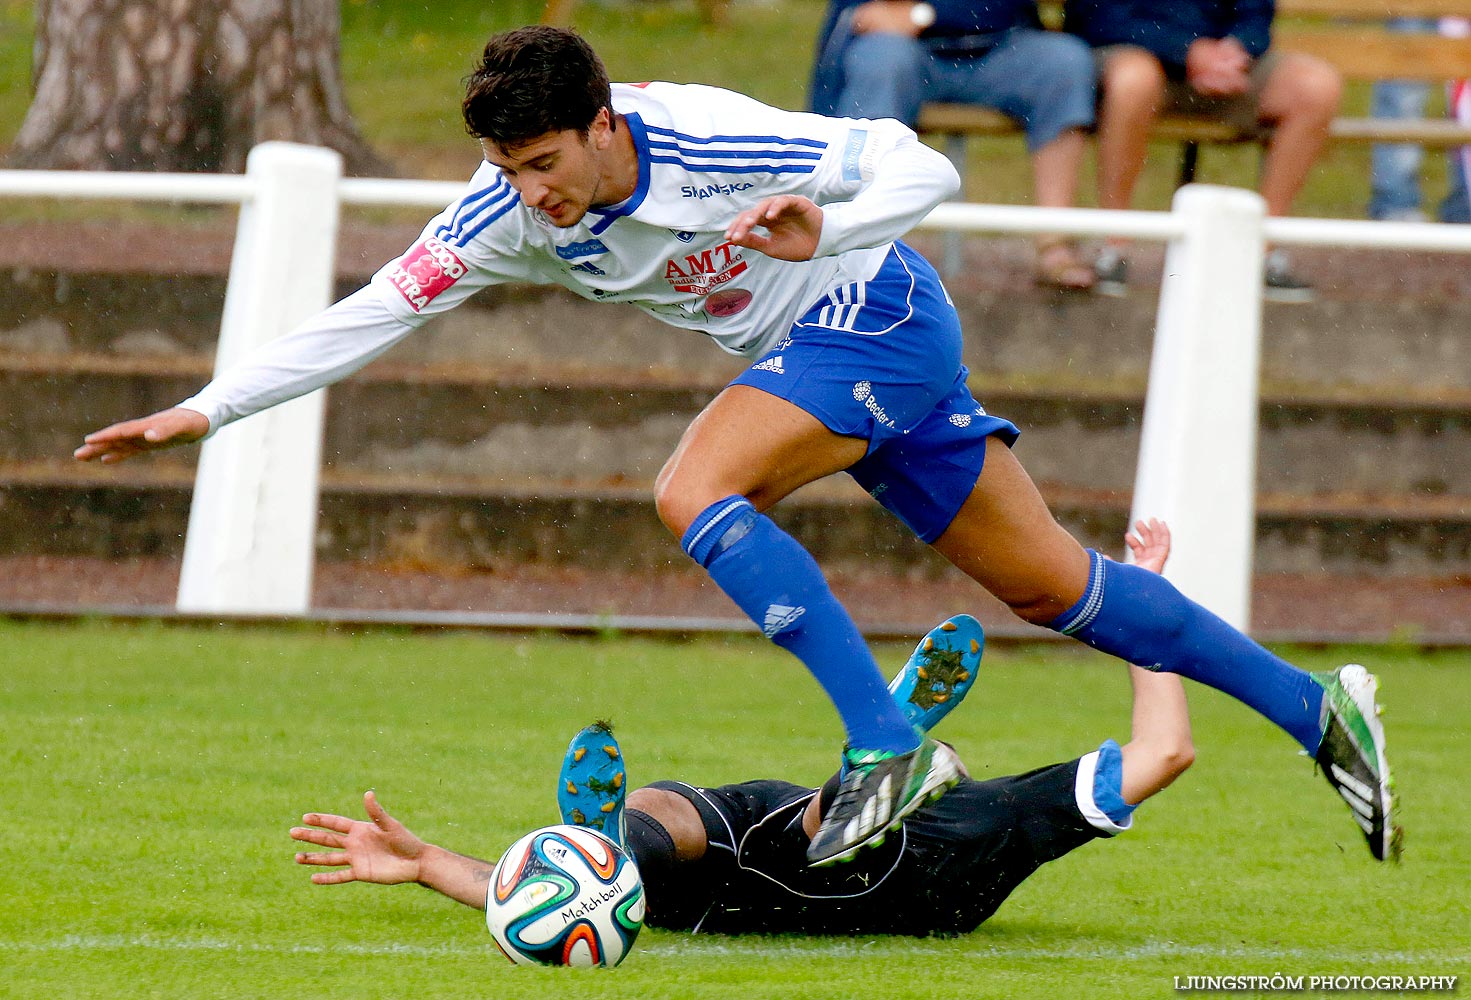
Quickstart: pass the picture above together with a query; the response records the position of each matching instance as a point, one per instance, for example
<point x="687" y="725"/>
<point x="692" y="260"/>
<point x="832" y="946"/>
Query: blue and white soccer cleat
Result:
<point x="940" y="672"/>
<point x="593" y="784"/>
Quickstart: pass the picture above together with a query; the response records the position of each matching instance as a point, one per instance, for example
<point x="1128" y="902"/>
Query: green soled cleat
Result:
<point x="880" y="789"/>
<point x="1352" y="756"/>
<point x="593" y="784"/>
<point x="940" y="672"/>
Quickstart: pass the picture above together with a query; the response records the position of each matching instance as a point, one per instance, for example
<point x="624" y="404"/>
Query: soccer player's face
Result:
<point x="562" y="174"/>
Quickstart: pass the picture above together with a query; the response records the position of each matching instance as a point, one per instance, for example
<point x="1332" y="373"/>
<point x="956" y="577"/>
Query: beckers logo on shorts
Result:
<point x="863" y="392"/>
<point x="706" y="270"/>
<point x="427" y="269"/>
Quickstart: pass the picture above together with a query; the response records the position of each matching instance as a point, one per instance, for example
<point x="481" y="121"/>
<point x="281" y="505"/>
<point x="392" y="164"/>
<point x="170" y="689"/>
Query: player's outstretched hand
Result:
<point x="381" y="850"/>
<point x="164" y="429"/>
<point x="793" y="226"/>
<point x="1150" y="544"/>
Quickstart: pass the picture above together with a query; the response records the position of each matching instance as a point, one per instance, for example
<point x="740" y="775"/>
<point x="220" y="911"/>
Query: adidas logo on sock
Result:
<point x="778" y="617"/>
<point x="770" y="365"/>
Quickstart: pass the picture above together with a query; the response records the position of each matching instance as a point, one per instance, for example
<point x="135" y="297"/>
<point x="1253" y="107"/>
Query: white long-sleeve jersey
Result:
<point x="705" y="155"/>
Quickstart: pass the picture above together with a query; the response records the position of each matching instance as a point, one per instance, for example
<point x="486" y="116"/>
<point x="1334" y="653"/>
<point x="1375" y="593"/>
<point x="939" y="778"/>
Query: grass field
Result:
<point x="150" y="775"/>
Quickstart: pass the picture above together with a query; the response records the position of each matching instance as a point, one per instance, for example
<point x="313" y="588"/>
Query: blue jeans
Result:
<point x="1395" y="167"/>
<point x="1044" y="79"/>
<point x="1457" y="204"/>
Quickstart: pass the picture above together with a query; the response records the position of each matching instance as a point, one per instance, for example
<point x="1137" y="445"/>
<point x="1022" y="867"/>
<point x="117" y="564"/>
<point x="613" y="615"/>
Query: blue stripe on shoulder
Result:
<point x="710" y="168"/>
<point x="472" y="203"/>
<point x="737" y="154"/>
<point x="472" y="200"/>
<point x="469" y="234"/>
<point x="483" y="215"/>
<point x="795" y="141"/>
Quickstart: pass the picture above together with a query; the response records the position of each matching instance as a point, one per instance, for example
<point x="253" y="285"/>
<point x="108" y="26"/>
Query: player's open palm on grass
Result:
<point x="380" y="850"/>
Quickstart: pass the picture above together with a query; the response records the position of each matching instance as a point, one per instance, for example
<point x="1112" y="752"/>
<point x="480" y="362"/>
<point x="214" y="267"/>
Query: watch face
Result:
<point x="923" y="15"/>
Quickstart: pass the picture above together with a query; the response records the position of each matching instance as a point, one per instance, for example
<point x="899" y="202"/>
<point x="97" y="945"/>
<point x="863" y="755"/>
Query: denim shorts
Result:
<point x="879" y="360"/>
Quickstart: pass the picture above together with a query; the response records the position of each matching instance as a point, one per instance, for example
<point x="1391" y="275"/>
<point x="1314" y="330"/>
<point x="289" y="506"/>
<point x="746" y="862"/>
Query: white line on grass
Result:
<point x="754" y="947"/>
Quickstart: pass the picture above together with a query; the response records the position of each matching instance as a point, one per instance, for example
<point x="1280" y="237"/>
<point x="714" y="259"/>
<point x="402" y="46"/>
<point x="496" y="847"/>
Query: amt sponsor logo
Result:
<point x="700" y="272"/>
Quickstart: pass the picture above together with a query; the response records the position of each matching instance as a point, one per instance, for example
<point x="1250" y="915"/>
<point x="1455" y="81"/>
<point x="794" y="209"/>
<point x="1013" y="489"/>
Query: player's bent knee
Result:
<point x="1038" y="609"/>
<point x="648" y="800"/>
<point x="1178" y="758"/>
<point x="676" y="816"/>
<point x="679" y="502"/>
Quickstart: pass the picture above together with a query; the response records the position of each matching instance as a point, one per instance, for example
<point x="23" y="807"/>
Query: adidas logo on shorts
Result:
<point x="770" y="365"/>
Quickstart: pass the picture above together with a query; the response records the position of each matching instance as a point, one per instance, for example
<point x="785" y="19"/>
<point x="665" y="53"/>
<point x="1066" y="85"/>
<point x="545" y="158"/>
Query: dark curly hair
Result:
<point x="532" y="81"/>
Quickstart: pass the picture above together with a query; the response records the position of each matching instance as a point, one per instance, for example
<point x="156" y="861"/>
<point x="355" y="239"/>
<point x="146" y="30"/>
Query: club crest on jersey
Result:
<point x="683" y="235"/>
<point x="427" y="269"/>
<point x="701" y="272"/>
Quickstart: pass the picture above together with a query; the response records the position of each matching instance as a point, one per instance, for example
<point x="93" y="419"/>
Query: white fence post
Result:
<point x="1197" y="455"/>
<point x="250" y="545"/>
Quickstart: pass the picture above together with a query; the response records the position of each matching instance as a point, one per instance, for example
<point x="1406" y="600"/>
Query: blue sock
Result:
<point x="1140" y="617"/>
<point x="778" y="584"/>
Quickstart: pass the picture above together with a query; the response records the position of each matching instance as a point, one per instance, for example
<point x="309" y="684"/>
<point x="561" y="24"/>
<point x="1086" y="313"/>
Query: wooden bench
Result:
<point x="1349" y="34"/>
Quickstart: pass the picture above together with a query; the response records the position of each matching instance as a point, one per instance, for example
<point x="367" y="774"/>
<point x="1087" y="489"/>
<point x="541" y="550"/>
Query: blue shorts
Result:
<point x="880" y="360"/>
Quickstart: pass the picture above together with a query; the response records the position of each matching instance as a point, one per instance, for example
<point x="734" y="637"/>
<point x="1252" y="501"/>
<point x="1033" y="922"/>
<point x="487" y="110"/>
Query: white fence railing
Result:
<point x="250" y="542"/>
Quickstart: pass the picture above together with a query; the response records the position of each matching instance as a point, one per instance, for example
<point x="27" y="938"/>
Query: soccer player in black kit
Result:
<point x="732" y="859"/>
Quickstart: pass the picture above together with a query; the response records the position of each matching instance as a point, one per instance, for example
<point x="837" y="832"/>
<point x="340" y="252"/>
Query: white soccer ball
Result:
<point x="565" y="895"/>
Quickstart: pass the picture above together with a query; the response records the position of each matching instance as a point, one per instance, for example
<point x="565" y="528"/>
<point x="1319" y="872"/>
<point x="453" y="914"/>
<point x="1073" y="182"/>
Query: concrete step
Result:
<point x="618" y="424"/>
<point x="473" y="522"/>
<point x="1385" y="321"/>
<point x="529" y="424"/>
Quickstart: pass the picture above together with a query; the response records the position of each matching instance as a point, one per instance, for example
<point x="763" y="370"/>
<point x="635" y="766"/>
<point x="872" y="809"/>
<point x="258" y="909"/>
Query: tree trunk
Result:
<point x="186" y="85"/>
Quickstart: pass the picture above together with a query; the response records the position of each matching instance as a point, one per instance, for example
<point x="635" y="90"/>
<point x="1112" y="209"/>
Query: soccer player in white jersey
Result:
<point x="775" y="234"/>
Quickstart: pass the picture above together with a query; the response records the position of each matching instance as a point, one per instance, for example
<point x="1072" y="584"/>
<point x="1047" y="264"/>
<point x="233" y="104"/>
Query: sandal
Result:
<point x="1060" y="267"/>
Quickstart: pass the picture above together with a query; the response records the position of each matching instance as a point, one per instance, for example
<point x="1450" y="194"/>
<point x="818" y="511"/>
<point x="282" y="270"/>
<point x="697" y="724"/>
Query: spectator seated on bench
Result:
<point x="884" y="58"/>
<point x="1211" y="58"/>
<point x="1395" y="167"/>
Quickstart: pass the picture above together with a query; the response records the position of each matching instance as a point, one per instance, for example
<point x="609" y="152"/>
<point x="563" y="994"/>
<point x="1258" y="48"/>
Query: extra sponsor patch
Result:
<point x="425" y="271"/>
